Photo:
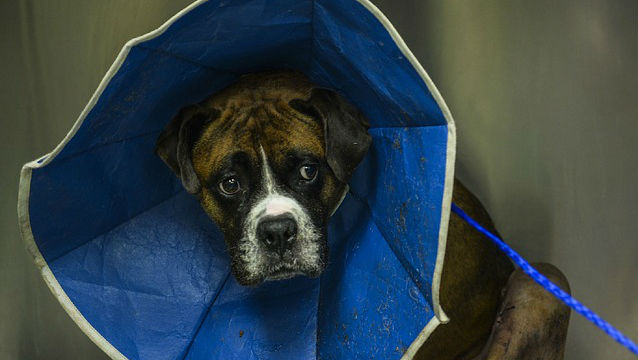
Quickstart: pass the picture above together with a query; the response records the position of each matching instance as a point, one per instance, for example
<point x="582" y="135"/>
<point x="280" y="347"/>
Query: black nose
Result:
<point x="277" y="233"/>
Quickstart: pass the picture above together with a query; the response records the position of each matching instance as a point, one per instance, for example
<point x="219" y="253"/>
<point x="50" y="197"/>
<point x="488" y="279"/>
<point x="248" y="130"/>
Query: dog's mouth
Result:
<point x="286" y="269"/>
<point x="274" y="268"/>
<point x="256" y="264"/>
<point x="283" y="273"/>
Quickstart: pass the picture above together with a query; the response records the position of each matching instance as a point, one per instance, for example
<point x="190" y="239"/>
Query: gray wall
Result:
<point x="544" y="94"/>
<point x="53" y="57"/>
<point x="545" y="97"/>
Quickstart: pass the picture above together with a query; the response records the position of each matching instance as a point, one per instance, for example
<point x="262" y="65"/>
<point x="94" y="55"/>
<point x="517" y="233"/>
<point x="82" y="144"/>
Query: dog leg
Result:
<point x="531" y="323"/>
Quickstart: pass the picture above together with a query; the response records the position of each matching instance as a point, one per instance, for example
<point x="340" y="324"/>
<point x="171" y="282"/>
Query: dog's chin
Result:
<point x="254" y="265"/>
<point x="286" y="272"/>
<point x="283" y="274"/>
<point x="276" y="273"/>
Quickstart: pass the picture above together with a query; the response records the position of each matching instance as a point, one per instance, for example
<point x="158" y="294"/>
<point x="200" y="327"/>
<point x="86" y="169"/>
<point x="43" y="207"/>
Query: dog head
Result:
<point x="269" y="158"/>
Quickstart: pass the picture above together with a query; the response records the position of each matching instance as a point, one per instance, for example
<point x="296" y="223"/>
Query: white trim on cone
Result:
<point x="440" y="316"/>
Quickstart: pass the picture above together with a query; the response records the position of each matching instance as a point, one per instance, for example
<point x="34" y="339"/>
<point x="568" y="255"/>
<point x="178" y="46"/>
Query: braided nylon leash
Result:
<point x="550" y="286"/>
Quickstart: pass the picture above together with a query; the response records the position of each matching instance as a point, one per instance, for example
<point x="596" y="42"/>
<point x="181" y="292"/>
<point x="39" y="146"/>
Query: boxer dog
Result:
<point x="269" y="159"/>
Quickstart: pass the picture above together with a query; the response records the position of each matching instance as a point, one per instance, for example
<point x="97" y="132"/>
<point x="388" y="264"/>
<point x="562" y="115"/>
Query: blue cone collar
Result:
<point x="143" y="271"/>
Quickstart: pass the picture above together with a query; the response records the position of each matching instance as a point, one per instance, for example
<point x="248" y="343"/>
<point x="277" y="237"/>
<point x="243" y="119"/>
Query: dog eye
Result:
<point x="308" y="172"/>
<point x="229" y="186"/>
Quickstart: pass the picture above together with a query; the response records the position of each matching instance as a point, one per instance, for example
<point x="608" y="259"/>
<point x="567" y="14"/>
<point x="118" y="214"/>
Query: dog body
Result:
<point x="269" y="159"/>
<point x="496" y="311"/>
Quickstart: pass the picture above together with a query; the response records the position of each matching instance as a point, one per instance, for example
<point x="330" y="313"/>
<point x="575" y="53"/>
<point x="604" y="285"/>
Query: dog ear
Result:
<point x="175" y="143"/>
<point x="345" y="130"/>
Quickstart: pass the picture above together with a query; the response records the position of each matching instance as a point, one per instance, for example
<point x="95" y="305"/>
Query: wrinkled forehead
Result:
<point x="239" y="133"/>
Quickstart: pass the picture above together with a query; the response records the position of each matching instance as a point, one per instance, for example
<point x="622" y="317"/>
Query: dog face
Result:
<point x="269" y="158"/>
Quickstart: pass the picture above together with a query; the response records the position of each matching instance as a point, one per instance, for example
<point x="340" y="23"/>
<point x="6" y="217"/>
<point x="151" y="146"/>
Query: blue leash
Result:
<point x="550" y="286"/>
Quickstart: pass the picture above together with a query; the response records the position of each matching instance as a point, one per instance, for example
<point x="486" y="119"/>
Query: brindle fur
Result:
<point x="255" y="112"/>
